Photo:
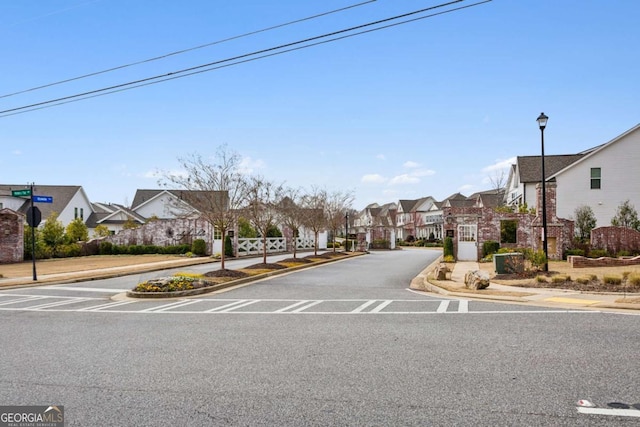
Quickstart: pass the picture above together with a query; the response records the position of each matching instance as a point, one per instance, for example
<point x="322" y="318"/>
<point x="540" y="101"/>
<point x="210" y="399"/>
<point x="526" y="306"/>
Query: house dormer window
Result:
<point x="596" y="177"/>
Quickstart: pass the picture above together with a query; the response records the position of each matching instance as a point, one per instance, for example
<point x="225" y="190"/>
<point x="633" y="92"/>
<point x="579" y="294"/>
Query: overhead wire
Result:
<point x="265" y="53"/>
<point x="179" y="52"/>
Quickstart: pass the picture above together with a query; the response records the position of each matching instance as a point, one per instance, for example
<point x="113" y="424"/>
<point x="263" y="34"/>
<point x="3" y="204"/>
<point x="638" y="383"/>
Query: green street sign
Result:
<point x="21" y="193"/>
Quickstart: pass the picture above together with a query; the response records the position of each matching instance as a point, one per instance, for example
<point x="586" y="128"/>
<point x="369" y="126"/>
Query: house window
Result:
<point x="75" y="213"/>
<point x="596" y="175"/>
<point x="508" y="231"/>
<point x="82" y="213"/>
<point x="217" y="235"/>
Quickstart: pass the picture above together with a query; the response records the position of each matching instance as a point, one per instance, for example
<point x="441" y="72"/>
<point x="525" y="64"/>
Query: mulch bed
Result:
<point x="575" y="286"/>
<point x="267" y="266"/>
<point x="226" y="273"/>
<point x="296" y="261"/>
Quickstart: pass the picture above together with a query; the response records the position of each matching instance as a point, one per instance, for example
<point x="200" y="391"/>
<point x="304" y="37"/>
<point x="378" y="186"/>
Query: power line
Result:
<point x="238" y="60"/>
<point x="167" y="55"/>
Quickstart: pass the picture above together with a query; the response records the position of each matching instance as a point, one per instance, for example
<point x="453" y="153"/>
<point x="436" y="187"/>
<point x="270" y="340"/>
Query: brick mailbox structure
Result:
<point x="11" y="236"/>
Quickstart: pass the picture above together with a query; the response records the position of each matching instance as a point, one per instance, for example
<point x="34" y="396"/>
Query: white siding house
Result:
<point x="602" y="179"/>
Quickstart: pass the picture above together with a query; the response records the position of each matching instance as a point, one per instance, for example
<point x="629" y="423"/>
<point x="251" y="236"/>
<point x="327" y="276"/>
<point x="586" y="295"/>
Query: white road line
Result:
<point x="289" y="307"/>
<point x="463" y="306"/>
<point x="19" y="300"/>
<point x="363" y="306"/>
<point x="381" y="306"/>
<point x="442" y="308"/>
<point x="107" y="305"/>
<point x="178" y="306"/>
<point x="55" y="304"/>
<point x="80" y="289"/>
<point x="164" y="306"/>
<point x="222" y="307"/>
<point x="240" y="306"/>
<point x="304" y="307"/>
<point x="607" y="411"/>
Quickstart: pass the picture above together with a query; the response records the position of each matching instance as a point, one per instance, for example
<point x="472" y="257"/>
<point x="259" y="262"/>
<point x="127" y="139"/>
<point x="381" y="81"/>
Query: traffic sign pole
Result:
<point x="33" y="240"/>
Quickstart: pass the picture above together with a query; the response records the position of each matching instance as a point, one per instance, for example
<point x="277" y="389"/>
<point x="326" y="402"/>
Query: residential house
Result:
<point x="68" y="201"/>
<point x="404" y="219"/>
<point x="377" y="225"/>
<point x="113" y="216"/>
<point x="602" y="178"/>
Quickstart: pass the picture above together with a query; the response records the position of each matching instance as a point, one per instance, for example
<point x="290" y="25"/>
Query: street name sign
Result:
<point x="43" y="199"/>
<point x="21" y="193"/>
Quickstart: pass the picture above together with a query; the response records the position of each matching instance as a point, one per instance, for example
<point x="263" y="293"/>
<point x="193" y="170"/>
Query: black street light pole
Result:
<point x="542" y="122"/>
<point x="346" y="230"/>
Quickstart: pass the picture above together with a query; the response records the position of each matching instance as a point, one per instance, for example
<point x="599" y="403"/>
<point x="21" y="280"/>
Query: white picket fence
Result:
<point x="254" y="246"/>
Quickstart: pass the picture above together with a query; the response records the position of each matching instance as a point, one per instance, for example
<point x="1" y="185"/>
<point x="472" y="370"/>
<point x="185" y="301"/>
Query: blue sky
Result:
<point x="431" y="107"/>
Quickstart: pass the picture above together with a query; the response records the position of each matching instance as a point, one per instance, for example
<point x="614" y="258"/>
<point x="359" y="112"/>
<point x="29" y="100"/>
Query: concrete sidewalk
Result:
<point x="561" y="298"/>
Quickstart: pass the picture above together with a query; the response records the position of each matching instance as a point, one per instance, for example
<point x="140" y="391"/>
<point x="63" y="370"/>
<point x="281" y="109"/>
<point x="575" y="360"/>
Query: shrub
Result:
<point x="569" y="252"/>
<point x="105" y="248"/>
<point x="541" y="279"/>
<point x="490" y="247"/>
<point x="448" y="247"/>
<point x="634" y="279"/>
<point x="623" y="254"/>
<point x="611" y="279"/>
<point x="199" y="247"/>
<point x="228" y="246"/>
<point x="597" y="253"/>
<point x="68" y="251"/>
<point x="583" y="280"/>
<point x="448" y="258"/>
<point x="560" y="278"/>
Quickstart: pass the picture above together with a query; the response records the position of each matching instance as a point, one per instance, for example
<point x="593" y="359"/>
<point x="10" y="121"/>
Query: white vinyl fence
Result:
<point x="274" y="245"/>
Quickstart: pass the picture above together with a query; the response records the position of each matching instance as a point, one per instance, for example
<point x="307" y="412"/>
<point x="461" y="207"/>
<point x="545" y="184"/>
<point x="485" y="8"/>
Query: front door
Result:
<point x="467" y="242"/>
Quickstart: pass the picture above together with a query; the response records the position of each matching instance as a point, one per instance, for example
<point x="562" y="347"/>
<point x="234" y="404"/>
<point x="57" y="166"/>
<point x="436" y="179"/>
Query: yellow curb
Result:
<point x="572" y="301"/>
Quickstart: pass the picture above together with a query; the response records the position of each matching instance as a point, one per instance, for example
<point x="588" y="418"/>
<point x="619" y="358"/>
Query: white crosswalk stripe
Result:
<point x="49" y="303"/>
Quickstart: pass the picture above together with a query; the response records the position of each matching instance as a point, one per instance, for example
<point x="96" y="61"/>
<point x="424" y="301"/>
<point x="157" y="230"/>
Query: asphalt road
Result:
<point x="342" y="344"/>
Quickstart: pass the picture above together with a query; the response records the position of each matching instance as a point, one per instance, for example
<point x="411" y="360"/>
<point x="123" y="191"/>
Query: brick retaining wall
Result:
<point x="576" y="261"/>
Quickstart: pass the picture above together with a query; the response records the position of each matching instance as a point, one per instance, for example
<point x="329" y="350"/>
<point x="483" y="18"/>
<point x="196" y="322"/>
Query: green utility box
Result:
<point x="508" y="263"/>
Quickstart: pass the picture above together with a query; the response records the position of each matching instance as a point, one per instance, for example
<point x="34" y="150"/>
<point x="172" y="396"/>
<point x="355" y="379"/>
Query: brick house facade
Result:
<point x="485" y="225"/>
<point x="11" y="236"/>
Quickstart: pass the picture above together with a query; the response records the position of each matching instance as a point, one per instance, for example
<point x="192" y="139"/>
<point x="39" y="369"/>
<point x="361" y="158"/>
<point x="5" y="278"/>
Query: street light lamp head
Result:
<point x="542" y="120"/>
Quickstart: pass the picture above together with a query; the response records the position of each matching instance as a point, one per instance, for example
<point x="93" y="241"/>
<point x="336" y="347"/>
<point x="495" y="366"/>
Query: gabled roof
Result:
<point x="62" y="195"/>
<point x="530" y="166"/>
<point x="406" y="205"/>
<point x="593" y="151"/>
<point x="143" y="197"/>
<point x="111" y="214"/>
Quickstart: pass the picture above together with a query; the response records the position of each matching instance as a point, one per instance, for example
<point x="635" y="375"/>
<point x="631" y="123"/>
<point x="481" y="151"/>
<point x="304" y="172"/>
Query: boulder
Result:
<point x="440" y="272"/>
<point x="476" y="279"/>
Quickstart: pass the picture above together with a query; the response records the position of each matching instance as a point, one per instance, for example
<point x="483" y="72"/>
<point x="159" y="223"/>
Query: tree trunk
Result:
<point x="264" y="249"/>
<point x="224" y="241"/>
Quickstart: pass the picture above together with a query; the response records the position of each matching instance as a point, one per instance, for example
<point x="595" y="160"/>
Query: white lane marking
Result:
<point x="184" y="304"/>
<point x="442" y="308"/>
<point x="80" y="289"/>
<point x="239" y="306"/>
<point x="611" y="412"/>
<point x="55" y="303"/>
<point x="165" y="306"/>
<point x="222" y="307"/>
<point x="289" y="307"/>
<point x="363" y="306"/>
<point x="304" y="307"/>
<point x="381" y="306"/>
<point x="463" y="306"/>
<point x="19" y="300"/>
<point x="107" y="305"/>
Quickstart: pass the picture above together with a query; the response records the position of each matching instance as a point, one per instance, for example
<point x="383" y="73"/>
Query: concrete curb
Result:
<point x="209" y="289"/>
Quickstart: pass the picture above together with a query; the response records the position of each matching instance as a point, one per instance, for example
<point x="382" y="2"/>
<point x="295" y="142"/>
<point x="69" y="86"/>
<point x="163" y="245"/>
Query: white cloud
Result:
<point x="381" y="157"/>
<point x="411" y="165"/>
<point x="500" y="165"/>
<point x="423" y="172"/>
<point x="404" y="179"/>
<point x="373" y="178"/>
<point x="248" y="165"/>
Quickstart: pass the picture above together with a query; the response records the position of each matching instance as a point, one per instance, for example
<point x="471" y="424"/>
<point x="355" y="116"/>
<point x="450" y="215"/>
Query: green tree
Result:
<point x="101" y="230"/>
<point x="626" y="216"/>
<point x="245" y="230"/>
<point x="585" y="222"/>
<point x="53" y="233"/>
<point x="77" y="231"/>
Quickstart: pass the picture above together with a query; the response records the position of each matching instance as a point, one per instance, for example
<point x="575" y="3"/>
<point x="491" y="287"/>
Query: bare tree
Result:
<point x="290" y="214"/>
<point x="215" y="190"/>
<point x="338" y="204"/>
<point x="263" y="197"/>
<point x="314" y="204"/>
